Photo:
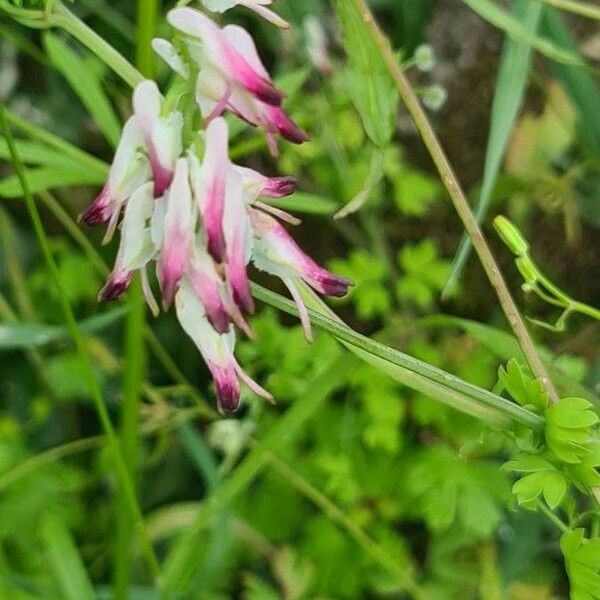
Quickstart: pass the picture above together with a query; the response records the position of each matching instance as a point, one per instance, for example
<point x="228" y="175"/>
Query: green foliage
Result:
<point x="364" y="480"/>
<point x="582" y="560"/>
<point x="424" y="273"/>
<point x="367" y="80"/>
<point x="540" y="478"/>
<point x="451" y="492"/>
<point x="569" y="428"/>
<point x="527" y="391"/>
<point x="370" y="293"/>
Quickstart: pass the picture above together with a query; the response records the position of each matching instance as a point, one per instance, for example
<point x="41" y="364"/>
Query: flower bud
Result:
<point x="511" y="236"/>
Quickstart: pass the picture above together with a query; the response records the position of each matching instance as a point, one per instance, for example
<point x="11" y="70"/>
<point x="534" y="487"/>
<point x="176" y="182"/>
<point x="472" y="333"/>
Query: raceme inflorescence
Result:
<point x="190" y="210"/>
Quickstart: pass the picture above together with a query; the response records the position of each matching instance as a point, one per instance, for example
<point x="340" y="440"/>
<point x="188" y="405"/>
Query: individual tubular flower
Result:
<point x="162" y="135"/>
<point x="258" y="6"/>
<point x="215" y="348"/>
<point x="137" y="247"/>
<point x="232" y="76"/>
<point x="179" y="224"/>
<point x="129" y="170"/>
<point x="148" y="149"/>
<point x="221" y="53"/>
<point x="275" y="252"/>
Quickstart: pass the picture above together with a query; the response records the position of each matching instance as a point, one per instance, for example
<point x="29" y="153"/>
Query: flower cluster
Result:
<point x="192" y="212"/>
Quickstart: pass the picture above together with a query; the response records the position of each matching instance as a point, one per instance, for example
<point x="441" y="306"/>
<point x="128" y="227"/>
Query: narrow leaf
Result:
<point x="513" y="74"/>
<point x="366" y="77"/>
<point x="65" y="563"/>
<point x="498" y="17"/>
<point x="31" y="335"/>
<point x="45" y="178"/>
<point x="86" y="85"/>
<point x="578" y="83"/>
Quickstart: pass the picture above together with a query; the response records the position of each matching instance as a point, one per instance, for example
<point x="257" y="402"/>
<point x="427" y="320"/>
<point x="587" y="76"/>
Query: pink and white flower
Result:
<point x="216" y="349"/>
<point x="161" y="134"/>
<point x="222" y="54"/>
<point x="129" y="170"/>
<point x="137" y="247"/>
<point x="179" y="224"/>
<point x="232" y="75"/>
<point x="197" y="216"/>
<point x="274" y="251"/>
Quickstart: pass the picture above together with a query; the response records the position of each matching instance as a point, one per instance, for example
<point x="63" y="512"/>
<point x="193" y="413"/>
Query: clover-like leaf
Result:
<point x="541" y="478"/>
<point x="522" y="387"/>
<point x="568" y="429"/>
<point x="582" y="562"/>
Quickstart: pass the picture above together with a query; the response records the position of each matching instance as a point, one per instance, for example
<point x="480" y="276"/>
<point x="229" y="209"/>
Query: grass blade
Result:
<point x="65" y="562"/>
<point x="583" y="9"/>
<point x="579" y="84"/>
<point x="409" y="371"/>
<point x="15" y="336"/>
<point x="86" y="85"/>
<point x="45" y="178"/>
<point x="498" y="17"/>
<point x="511" y="83"/>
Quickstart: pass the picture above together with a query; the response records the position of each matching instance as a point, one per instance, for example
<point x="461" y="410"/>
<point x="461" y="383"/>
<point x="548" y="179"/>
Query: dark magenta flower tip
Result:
<point x="279" y="187"/>
<point x="116" y="285"/>
<point x="99" y="211"/>
<point x="333" y="285"/>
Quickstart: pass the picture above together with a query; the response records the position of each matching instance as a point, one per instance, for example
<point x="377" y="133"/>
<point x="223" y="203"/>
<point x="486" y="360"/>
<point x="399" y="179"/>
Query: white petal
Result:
<point x="136" y="247"/>
<point x="169" y="54"/>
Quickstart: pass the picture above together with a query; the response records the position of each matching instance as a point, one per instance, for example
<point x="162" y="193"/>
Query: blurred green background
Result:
<point x="352" y="486"/>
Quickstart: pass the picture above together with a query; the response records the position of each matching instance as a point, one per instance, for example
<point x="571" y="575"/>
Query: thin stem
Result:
<point x="135" y="352"/>
<point x="584" y="9"/>
<point x="552" y="517"/>
<point x="424" y="371"/>
<point x="458" y="198"/>
<point x="38" y="133"/>
<point x="64" y="18"/>
<point x="333" y="512"/>
<point x="87" y="370"/>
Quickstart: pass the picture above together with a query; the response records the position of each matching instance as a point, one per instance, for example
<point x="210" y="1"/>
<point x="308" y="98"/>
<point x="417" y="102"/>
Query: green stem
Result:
<point x="458" y="198"/>
<point x="135" y="361"/>
<point x="86" y="365"/>
<point x="64" y="18"/>
<point x="424" y="373"/>
<point x="552" y="517"/>
<point x="584" y="9"/>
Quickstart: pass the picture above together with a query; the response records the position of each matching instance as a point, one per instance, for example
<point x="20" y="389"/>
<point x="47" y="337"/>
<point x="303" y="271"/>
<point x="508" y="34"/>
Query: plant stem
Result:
<point x="585" y="9"/>
<point x="64" y="18"/>
<point x="135" y="359"/>
<point x="458" y="198"/>
<point x="541" y="506"/>
<point x="424" y="372"/>
<point x="87" y="370"/>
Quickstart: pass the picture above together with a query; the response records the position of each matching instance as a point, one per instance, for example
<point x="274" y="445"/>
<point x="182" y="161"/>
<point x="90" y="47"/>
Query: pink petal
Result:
<point x="179" y="226"/>
<point x="276" y="252"/>
<point x="215" y="165"/>
<point x="207" y="289"/>
<point x="100" y="210"/>
<point x="278" y="121"/>
<point x="252" y="385"/>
